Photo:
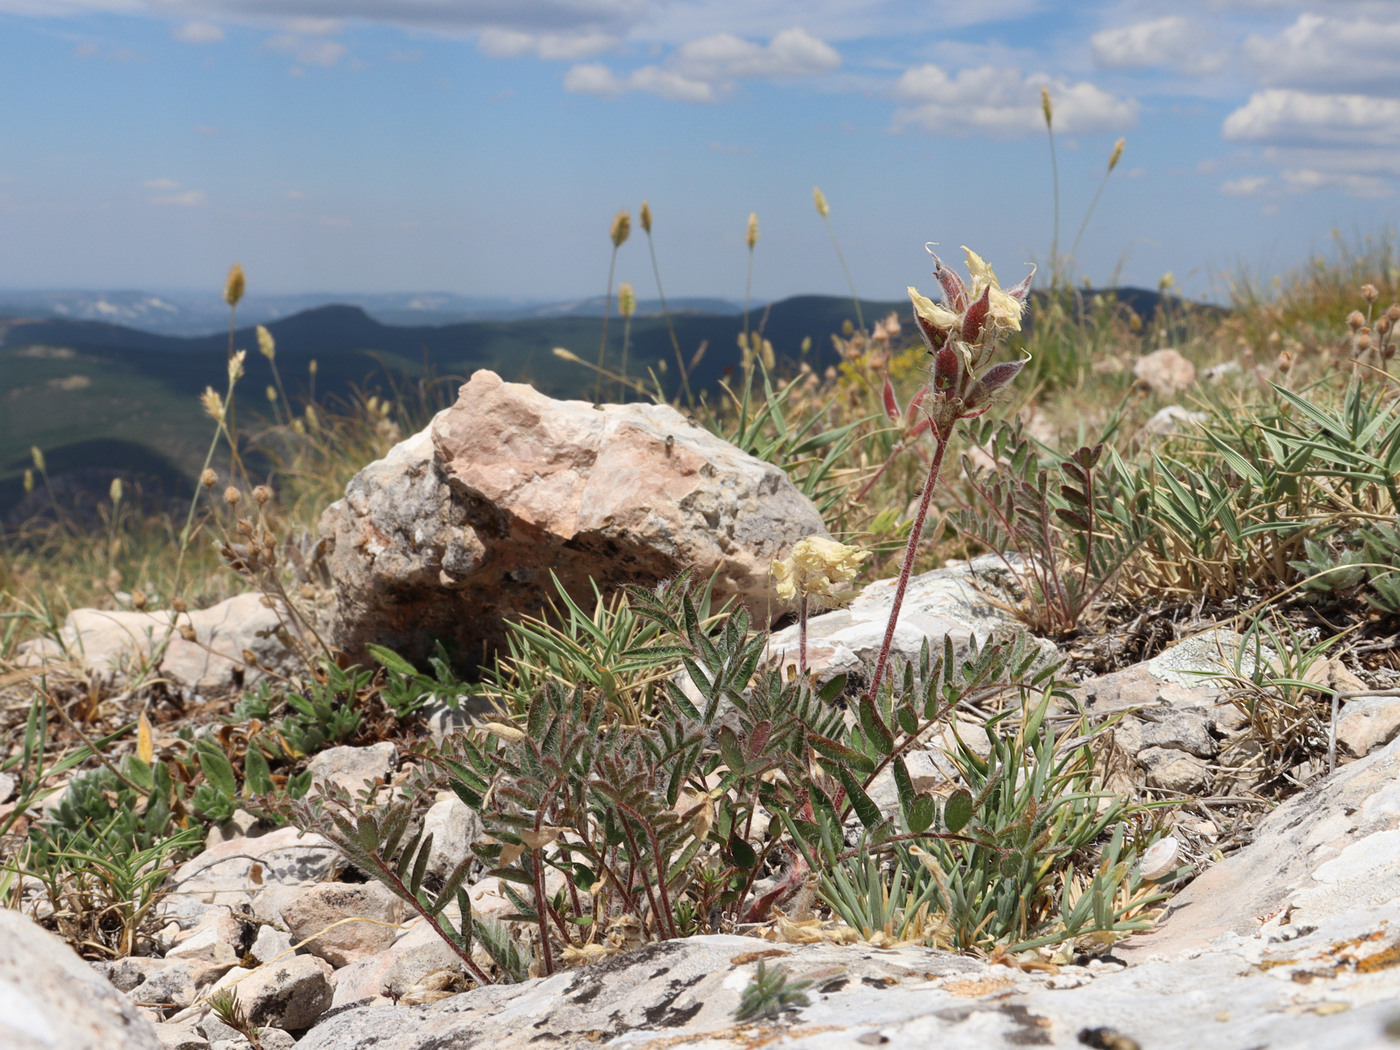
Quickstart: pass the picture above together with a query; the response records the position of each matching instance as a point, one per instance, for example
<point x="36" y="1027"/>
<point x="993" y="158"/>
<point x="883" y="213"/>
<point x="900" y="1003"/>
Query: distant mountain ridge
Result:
<point x="102" y="399"/>
<point x="203" y="313"/>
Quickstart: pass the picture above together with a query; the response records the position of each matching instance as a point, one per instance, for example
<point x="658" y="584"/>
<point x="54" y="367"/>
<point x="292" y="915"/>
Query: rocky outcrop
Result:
<point x="52" y="1000"/>
<point x="458" y="529"/>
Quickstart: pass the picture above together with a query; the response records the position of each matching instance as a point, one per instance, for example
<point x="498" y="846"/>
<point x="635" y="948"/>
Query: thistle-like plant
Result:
<point x="961" y="335"/>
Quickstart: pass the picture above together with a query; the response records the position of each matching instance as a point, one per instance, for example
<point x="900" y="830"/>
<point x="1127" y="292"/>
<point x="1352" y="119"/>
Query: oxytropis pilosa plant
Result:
<point x="961" y="334"/>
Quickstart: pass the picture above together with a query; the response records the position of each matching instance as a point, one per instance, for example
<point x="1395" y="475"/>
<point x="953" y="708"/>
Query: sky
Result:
<point x="483" y="147"/>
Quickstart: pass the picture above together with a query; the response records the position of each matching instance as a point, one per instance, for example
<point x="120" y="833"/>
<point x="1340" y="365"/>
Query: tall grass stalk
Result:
<point x="1113" y="159"/>
<point x="751" y="239"/>
<point x="645" y="218"/>
<point x="824" y="210"/>
<point x="621" y="227"/>
<point x="1048" y="109"/>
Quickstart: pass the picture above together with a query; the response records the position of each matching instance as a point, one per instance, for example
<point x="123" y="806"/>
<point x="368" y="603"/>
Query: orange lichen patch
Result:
<point x="744" y="958"/>
<point x="972" y="989"/>
<point x="1356" y="942"/>
<point x="1273" y="964"/>
<point x="748" y="1036"/>
<point x="1381" y="960"/>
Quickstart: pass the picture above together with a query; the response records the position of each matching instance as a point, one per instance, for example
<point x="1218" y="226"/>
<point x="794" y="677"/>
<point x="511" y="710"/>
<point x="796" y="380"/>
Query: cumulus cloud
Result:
<point x="593" y="78"/>
<point x="307" y="51"/>
<point x="1244" y="187"/>
<point x="1003" y="103"/>
<point x="1329" y="53"/>
<point x="722" y="56"/>
<point x="568" y="47"/>
<point x="1285" y="117"/>
<point x="1306" y="180"/>
<point x="199" y="33"/>
<point x="1161" y="42"/>
<point x="704" y="70"/>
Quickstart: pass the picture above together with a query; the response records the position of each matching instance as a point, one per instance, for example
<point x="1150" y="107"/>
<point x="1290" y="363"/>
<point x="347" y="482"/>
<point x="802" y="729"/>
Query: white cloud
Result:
<point x="1306" y="180"/>
<point x="1330" y="53"/>
<point x="567" y="47"/>
<point x="309" y="52"/>
<point x="1161" y="42"/>
<point x="181" y="199"/>
<point x="722" y="56"/>
<point x="1003" y="103"/>
<point x="1299" y="118"/>
<point x="706" y="69"/>
<point x="1244" y="187"/>
<point x="670" y="84"/>
<point x="592" y="78"/>
<point x="199" y="33"/>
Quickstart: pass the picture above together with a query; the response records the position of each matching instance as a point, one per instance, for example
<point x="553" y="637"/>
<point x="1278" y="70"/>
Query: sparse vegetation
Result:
<point x="644" y="775"/>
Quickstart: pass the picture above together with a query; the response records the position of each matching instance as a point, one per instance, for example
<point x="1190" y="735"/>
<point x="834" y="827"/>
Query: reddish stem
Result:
<point x="802" y="636"/>
<point x="905" y="569"/>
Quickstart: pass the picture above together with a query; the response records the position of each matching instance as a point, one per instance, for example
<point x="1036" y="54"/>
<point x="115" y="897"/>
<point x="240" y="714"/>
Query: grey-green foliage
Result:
<point x="805" y="451"/>
<point x="1076" y="522"/>
<point x="1026" y="815"/>
<point x="770" y="993"/>
<point x="329" y="711"/>
<point x="407" y="691"/>
<point x="660" y="823"/>
<point x="1363" y="562"/>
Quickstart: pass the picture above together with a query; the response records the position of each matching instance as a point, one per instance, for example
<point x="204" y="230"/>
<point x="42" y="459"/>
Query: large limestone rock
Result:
<point x="458" y="528"/>
<point x="52" y="1000"/>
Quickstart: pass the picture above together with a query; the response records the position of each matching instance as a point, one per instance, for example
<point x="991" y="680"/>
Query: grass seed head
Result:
<point x="644" y="216"/>
<point x="235" y="285"/>
<point x="114" y="491"/>
<point x="37" y="455"/>
<point x="1046" y="107"/>
<point x="267" y="346"/>
<point x="621" y="227"/>
<point x="1116" y="155"/>
<point x="213" y="403"/>
<point x="751" y="234"/>
<point x="819" y="198"/>
<point x="28" y="481"/>
<point x="626" y="300"/>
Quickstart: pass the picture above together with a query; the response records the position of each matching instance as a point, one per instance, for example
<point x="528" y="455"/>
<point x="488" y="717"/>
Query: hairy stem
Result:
<point x="942" y="434"/>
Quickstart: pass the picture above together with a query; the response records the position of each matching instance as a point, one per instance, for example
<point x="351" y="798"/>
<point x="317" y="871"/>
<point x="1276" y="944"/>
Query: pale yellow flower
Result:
<point x="1003" y="310"/>
<point x="933" y="313"/>
<point x="817" y="567"/>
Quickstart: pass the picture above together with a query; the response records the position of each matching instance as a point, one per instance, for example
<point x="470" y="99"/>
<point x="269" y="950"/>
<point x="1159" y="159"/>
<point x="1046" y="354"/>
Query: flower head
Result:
<point x="817" y="568"/>
<point x="621" y="227"/>
<point x="234" y="285"/>
<point x="267" y="346"/>
<point x="961" y="333"/>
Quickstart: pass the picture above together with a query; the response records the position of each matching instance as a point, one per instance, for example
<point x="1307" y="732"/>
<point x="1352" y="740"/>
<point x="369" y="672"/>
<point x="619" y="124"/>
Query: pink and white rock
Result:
<point x="351" y="767"/>
<point x="232" y="872"/>
<point x="312" y="909"/>
<point x="459" y="528"/>
<point x="128" y="645"/>
<point x="1165" y="372"/>
<point x="52" y="1000"/>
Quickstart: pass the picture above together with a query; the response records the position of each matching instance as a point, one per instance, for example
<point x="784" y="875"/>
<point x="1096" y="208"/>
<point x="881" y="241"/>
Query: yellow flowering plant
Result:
<point x="817" y="568"/>
<point x="961" y="334"/>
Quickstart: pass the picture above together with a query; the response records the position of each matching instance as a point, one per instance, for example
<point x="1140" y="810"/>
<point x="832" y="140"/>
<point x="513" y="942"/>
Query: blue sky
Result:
<point x="483" y="146"/>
